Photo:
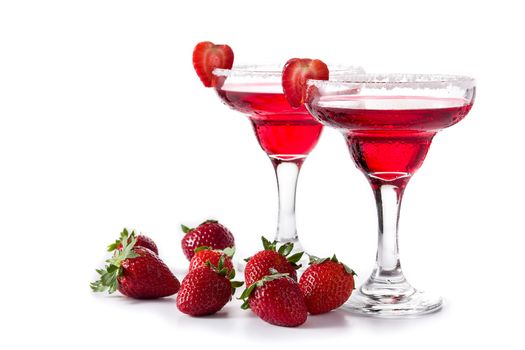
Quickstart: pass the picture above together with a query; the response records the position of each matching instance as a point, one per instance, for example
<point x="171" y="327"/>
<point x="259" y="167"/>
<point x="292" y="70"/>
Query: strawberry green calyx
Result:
<point x="221" y="269"/>
<point x="315" y="260"/>
<point x="185" y="229"/>
<point x="284" y="250"/>
<point x="108" y="276"/>
<point x="267" y="245"/>
<point x="245" y="296"/>
<point x="123" y="235"/>
<point x="225" y="272"/>
<point x="201" y="248"/>
<point x="228" y="252"/>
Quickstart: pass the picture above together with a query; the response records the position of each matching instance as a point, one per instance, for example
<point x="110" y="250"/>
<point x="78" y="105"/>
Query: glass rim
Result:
<point x="276" y="70"/>
<point x="390" y="80"/>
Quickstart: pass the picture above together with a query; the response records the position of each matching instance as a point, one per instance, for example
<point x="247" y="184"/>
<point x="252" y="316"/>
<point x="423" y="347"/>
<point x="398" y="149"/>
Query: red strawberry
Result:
<point x="206" y="289"/>
<point x="295" y="74"/>
<point x="142" y="241"/>
<point x="136" y="272"/>
<point x="204" y="254"/>
<point x="326" y="284"/>
<point x="260" y="264"/>
<point x="210" y="233"/>
<point x="207" y="56"/>
<point x="276" y="299"/>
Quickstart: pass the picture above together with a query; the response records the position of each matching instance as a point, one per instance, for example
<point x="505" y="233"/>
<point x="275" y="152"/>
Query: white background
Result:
<point x="104" y="124"/>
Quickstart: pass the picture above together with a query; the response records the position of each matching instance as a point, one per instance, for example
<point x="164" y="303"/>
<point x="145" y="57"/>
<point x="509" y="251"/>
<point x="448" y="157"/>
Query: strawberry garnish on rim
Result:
<point x="296" y="73"/>
<point x="207" y="56"/>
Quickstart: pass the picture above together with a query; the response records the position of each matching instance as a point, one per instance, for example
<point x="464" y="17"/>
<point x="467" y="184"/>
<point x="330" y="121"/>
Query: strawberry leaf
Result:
<point x="229" y="252"/>
<point x="286" y="249"/>
<point x="275" y="275"/>
<point x="98" y="286"/>
<point x="245" y="305"/>
<point x="315" y="260"/>
<point x="201" y="248"/>
<point x="220" y="268"/>
<point x="349" y="270"/>
<point x="235" y="284"/>
<point x="220" y="264"/>
<point x="114" y="246"/>
<point x="108" y="280"/>
<point x="109" y="275"/>
<point x="185" y="228"/>
<point x="295" y="258"/>
<point x="247" y="292"/>
<point x="267" y="245"/>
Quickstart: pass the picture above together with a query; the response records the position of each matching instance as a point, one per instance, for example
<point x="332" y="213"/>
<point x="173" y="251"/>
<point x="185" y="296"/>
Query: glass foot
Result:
<point x="414" y="304"/>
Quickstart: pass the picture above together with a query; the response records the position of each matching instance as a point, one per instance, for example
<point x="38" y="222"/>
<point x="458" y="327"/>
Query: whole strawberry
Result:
<point x="260" y="264"/>
<point x="204" y="254"/>
<point x="136" y="272"/>
<point x="210" y="233"/>
<point x="206" y="289"/>
<point x="276" y="299"/>
<point x="326" y="284"/>
<point x="142" y="241"/>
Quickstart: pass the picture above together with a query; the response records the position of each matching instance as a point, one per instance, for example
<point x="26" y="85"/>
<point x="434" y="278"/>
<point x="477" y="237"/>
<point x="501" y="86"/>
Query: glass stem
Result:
<point x="387" y="279"/>
<point x="287" y="173"/>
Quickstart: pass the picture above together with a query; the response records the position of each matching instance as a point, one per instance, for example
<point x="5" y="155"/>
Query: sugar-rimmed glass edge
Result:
<point x="405" y="80"/>
<point x="275" y="70"/>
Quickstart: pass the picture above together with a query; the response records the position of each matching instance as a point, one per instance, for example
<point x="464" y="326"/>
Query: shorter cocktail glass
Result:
<point x="286" y="134"/>
<point x="389" y="122"/>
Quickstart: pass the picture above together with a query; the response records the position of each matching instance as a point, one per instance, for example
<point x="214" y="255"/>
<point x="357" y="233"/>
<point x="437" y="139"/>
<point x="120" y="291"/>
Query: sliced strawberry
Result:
<point x="296" y="72"/>
<point x="207" y="56"/>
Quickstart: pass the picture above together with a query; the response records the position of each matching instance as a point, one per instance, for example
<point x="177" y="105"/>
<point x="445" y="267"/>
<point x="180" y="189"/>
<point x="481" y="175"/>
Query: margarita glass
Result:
<point x="286" y="134"/>
<point x="388" y="122"/>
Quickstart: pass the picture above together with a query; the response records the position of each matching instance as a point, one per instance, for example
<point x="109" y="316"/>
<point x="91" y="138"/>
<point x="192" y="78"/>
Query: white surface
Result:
<point x="103" y="124"/>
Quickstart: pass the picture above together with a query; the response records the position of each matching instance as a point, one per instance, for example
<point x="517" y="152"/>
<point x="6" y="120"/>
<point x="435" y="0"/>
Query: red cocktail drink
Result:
<point x="282" y="131"/>
<point x="389" y="136"/>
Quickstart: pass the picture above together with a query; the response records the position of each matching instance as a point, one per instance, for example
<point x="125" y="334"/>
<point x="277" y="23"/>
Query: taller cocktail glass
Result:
<point x="286" y="134"/>
<point x="389" y="122"/>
